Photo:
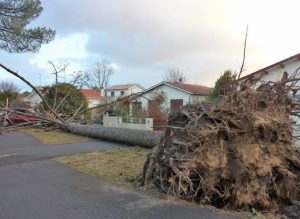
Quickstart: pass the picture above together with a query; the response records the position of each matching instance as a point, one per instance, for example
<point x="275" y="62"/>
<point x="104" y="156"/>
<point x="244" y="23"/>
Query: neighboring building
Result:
<point x="173" y="95"/>
<point x="93" y="97"/>
<point x="33" y="99"/>
<point x="275" y="71"/>
<point x="117" y="91"/>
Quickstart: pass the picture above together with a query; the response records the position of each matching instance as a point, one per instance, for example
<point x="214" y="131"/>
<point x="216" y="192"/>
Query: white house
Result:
<point x="174" y="95"/>
<point x="275" y="71"/>
<point x="33" y="99"/>
<point x="117" y="91"/>
<point x="93" y="97"/>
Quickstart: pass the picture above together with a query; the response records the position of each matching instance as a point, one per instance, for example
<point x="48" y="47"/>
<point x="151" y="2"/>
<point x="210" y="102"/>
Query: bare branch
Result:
<point x="175" y="75"/>
<point x="244" y="54"/>
<point x="98" y="76"/>
<point x="34" y="88"/>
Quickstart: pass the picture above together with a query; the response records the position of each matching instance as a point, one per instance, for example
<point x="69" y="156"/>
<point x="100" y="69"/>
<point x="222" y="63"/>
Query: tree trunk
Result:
<point x="135" y="137"/>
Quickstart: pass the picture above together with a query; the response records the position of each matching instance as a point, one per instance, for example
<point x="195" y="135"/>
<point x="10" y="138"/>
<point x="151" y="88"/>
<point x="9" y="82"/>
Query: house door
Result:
<point x="176" y="105"/>
<point x="153" y="108"/>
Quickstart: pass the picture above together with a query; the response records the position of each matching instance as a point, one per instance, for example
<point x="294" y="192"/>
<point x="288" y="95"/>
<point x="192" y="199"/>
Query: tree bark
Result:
<point x="135" y="137"/>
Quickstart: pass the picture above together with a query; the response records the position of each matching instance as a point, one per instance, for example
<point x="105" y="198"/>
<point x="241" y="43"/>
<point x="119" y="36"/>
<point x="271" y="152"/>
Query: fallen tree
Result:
<point x="236" y="153"/>
<point x="17" y="118"/>
<point x="143" y="138"/>
<point x="50" y="115"/>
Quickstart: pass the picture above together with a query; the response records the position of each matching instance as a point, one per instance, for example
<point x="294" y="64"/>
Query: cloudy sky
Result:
<point x="144" y="38"/>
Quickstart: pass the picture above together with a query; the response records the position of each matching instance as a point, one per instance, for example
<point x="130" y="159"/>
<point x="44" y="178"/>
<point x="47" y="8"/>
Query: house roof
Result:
<point x="188" y="88"/>
<point x="280" y="63"/>
<point x="191" y="88"/>
<point x="123" y="87"/>
<point x="91" y="94"/>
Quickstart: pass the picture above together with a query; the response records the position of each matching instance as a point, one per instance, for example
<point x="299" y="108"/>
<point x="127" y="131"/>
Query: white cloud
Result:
<point x="64" y="49"/>
<point x="143" y="38"/>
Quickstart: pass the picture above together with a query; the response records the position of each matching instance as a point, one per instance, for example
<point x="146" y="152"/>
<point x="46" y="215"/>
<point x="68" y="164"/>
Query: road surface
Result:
<point x="32" y="186"/>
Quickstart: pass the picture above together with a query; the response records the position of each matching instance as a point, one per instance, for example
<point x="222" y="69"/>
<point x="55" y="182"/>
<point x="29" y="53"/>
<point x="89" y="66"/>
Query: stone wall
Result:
<point x="116" y="121"/>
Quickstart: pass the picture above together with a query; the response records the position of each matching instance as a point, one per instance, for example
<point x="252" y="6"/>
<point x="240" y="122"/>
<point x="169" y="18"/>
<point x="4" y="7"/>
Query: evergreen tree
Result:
<point x="15" y="35"/>
<point x="69" y="95"/>
<point x="220" y="85"/>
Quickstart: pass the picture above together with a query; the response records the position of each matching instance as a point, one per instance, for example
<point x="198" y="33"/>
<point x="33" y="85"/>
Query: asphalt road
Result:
<point x="34" y="186"/>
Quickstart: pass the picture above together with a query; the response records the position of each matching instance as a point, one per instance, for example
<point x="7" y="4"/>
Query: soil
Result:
<point x="236" y="153"/>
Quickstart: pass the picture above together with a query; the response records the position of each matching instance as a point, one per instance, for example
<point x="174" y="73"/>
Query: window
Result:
<point x="122" y="92"/>
<point x="112" y="94"/>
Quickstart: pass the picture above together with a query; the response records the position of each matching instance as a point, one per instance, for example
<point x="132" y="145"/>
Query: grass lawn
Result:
<point x="119" y="165"/>
<point x="54" y="137"/>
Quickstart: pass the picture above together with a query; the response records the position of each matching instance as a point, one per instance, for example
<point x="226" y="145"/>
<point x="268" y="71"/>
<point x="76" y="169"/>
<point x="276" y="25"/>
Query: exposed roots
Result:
<point x="236" y="153"/>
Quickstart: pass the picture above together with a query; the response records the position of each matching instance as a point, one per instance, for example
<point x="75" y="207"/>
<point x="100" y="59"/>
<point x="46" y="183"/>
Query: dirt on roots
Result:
<point x="236" y="153"/>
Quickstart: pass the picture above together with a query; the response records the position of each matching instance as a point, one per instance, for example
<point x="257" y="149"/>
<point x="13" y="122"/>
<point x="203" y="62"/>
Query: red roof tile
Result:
<point x="192" y="88"/>
<point x="91" y="93"/>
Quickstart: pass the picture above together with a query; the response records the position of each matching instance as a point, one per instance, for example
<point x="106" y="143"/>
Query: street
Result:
<point x="34" y="186"/>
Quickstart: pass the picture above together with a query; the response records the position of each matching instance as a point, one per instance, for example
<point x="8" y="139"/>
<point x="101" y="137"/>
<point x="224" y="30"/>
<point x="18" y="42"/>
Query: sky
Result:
<point x="143" y="38"/>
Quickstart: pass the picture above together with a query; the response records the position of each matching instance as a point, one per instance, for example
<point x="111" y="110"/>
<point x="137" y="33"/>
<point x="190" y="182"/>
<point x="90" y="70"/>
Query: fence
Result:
<point x="128" y="122"/>
<point x="159" y="124"/>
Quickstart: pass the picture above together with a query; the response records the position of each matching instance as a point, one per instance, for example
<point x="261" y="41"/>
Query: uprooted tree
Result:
<point x="237" y="152"/>
<point x="50" y="115"/>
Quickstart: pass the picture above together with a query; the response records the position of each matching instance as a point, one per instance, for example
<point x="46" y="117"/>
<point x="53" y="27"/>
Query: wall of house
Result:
<point x="34" y="99"/>
<point x="135" y="89"/>
<point x="95" y="102"/>
<point x="169" y="94"/>
<point x="117" y="93"/>
<point x="131" y="90"/>
<point x="276" y="73"/>
<point x="195" y="99"/>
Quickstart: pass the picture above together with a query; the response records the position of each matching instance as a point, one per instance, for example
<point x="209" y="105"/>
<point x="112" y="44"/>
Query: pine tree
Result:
<point x="15" y="35"/>
<point x="221" y="83"/>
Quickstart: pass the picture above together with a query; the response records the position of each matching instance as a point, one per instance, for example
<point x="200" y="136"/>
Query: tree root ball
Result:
<point x="235" y="153"/>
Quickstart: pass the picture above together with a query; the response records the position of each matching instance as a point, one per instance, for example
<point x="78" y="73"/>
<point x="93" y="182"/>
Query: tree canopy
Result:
<point x="175" y="75"/>
<point x="96" y="77"/>
<point x="65" y="98"/>
<point x="220" y="85"/>
<point x="15" y="35"/>
<point x="8" y="92"/>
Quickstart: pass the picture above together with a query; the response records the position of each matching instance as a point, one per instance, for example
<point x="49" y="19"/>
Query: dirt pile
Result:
<point x="236" y="153"/>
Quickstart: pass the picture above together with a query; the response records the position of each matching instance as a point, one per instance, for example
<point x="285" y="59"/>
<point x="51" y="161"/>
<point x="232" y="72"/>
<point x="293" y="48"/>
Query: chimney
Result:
<point x="102" y="92"/>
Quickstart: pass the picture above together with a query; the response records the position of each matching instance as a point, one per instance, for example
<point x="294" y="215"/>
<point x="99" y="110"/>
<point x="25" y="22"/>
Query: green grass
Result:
<point x="119" y="166"/>
<point x="55" y="137"/>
